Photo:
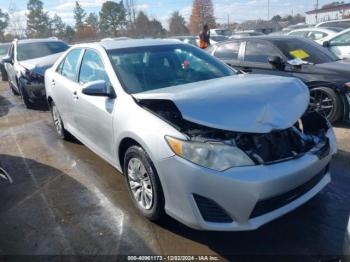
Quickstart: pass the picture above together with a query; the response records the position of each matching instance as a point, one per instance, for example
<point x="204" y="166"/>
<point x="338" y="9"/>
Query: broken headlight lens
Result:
<point x="215" y="156"/>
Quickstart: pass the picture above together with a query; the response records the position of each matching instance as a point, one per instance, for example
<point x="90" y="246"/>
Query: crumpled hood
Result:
<point x="241" y="103"/>
<point x="39" y="65"/>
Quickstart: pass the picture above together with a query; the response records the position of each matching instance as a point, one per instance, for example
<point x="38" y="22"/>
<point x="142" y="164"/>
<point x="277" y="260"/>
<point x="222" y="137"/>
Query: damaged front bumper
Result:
<point x="242" y="198"/>
<point x="34" y="89"/>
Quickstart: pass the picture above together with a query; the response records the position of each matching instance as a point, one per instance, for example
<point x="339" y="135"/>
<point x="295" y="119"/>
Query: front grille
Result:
<point x="268" y="205"/>
<point x="210" y="211"/>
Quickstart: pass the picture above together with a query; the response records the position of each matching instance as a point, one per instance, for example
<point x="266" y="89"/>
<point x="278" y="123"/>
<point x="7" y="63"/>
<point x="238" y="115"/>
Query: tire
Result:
<point x="4" y="76"/>
<point x="147" y="180"/>
<point x="321" y="99"/>
<point x="14" y="91"/>
<point x="25" y="97"/>
<point x="58" y="123"/>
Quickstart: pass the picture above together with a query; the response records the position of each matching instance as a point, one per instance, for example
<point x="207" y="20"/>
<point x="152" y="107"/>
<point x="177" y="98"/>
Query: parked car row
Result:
<point x="195" y="138"/>
<point x="327" y="77"/>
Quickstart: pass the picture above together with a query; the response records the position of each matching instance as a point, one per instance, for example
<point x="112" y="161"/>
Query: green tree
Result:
<point x="4" y="18"/>
<point x="277" y="18"/>
<point x="177" y="24"/>
<point x="69" y="33"/>
<point x="148" y="28"/>
<point x="58" y="27"/>
<point x="38" y="24"/>
<point x="92" y="21"/>
<point x="79" y="15"/>
<point x="112" y="18"/>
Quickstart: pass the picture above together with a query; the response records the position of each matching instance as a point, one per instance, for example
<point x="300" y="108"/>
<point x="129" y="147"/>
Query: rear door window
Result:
<point x="69" y="66"/>
<point x="229" y="51"/>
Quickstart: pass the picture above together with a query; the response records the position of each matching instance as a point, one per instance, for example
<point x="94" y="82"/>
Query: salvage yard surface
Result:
<point x="66" y="200"/>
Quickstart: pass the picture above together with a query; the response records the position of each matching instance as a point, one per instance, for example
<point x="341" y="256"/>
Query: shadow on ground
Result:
<point x="5" y="106"/>
<point x="45" y="211"/>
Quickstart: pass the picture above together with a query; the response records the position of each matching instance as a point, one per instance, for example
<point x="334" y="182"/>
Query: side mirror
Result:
<point x="98" y="88"/>
<point x="326" y="44"/>
<point x="7" y="60"/>
<point x="276" y="62"/>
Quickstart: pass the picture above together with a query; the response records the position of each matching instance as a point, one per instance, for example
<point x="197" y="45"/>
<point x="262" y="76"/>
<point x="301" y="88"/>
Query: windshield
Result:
<point x="28" y="51"/>
<point x="4" y="49"/>
<point x="147" y="68"/>
<point x="306" y="50"/>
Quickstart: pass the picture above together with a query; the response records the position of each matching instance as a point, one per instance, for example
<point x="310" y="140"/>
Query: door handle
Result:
<point x="53" y="83"/>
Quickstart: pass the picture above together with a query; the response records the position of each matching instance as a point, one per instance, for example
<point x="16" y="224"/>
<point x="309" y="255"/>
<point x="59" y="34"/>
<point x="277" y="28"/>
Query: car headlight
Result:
<point x="215" y="156"/>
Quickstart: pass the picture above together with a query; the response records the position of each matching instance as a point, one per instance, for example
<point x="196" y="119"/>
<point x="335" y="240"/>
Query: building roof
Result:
<point x="329" y="8"/>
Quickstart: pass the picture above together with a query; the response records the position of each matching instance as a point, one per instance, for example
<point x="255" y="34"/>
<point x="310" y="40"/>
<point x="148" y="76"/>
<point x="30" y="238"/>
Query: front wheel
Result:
<point x="326" y="101"/>
<point x="143" y="183"/>
<point x="4" y="76"/>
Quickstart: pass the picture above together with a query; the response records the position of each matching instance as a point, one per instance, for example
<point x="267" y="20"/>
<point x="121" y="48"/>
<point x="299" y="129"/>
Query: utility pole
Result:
<point x="316" y="14"/>
<point x="268" y="9"/>
<point x="228" y="21"/>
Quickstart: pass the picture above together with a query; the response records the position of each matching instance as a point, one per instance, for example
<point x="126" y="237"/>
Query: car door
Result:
<point x="229" y="53"/>
<point x="94" y="114"/>
<point x="255" y="59"/>
<point x="340" y="45"/>
<point x="64" y="85"/>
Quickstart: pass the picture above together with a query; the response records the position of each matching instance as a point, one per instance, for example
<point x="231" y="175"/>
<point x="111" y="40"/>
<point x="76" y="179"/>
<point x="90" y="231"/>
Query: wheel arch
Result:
<point x="124" y="144"/>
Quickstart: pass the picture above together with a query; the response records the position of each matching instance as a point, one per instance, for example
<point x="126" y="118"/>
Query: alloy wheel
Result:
<point x="140" y="183"/>
<point x="321" y="102"/>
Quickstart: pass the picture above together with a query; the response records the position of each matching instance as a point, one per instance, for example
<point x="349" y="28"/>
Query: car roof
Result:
<point x="266" y="38"/>
<point x="39" y="40"/>
<point x="333" y="21"/>
<point x="130" y="43"/>
<point x="321" y="29"/>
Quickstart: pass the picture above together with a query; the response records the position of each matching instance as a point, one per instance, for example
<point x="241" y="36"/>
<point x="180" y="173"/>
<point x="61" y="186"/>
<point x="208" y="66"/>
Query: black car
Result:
<point x="4" y="47"/>
<point x="327" y="77"/>
<point x="26" y="64"/>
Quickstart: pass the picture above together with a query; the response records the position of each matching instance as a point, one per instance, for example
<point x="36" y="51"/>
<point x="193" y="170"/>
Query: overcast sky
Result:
<point x="238" y="10"/>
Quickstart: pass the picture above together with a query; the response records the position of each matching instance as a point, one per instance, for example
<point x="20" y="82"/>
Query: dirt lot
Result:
<point x="67" y="200"/>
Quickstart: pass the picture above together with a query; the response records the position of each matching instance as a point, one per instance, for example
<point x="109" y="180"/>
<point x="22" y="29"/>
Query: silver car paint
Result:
<point x="232" y="105"/>
<point x="179" y="178"/>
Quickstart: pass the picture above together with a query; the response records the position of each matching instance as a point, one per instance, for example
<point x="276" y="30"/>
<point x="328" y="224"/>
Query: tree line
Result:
<point x="114" y="19"/>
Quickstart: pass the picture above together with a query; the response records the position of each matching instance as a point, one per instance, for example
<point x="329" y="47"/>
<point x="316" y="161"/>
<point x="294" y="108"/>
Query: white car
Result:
<point x="344" y="23"/>
<point x="313" y="33"/>
<point x="339" y="44"/>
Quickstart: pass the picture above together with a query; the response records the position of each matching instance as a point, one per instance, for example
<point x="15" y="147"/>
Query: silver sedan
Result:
<point x="214" y="149"/>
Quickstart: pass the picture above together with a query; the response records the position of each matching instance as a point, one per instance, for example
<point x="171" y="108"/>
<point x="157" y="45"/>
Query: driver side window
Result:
<point x="92" y="68"/>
